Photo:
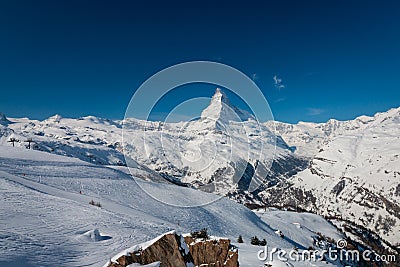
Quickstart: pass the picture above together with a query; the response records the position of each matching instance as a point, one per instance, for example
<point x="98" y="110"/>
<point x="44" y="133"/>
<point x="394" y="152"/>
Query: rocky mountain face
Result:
<point x="3" y="120"/>
<point x="353" y="176"/>
<point x="221" y="111"/>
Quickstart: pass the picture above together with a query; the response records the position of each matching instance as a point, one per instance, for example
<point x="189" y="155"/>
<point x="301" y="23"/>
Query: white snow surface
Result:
<point x="45" y="216"/>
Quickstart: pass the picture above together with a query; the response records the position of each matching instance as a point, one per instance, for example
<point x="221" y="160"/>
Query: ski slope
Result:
<point x="46" y="221"/>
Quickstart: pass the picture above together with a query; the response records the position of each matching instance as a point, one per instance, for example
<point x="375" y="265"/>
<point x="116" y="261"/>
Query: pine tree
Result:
<point x="200" y="234"/>
<point x="255" y="241"/>
<point x="240" y="239"/>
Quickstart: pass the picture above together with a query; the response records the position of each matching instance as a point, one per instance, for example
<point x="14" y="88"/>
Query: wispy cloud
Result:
<point x="255" y="76"/>
<point x="315" y="111"/>
<point x="279" y="100"/>
<point x="278" y="83"/>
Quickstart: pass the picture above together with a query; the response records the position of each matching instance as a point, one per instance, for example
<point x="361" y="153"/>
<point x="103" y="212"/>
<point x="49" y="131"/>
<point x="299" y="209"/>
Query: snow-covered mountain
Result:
<point x="306" y="138"/>
<point x="226" y="151"/>
<point x="353" y="175"/>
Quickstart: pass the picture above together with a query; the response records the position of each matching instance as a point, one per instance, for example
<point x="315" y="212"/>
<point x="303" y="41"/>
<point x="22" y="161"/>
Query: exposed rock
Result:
<point x="165" y="250"/>
<point x="339" y="187"/>
<point x="214" y="252"/>
<point x="3" y="119"/>
<point x="172" y="250"/>
<point x="397" y="192"/>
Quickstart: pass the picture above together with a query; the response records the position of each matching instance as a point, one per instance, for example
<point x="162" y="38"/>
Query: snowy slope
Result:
<point x="44" y="220"/>
<point x="90" y="139"/>
<point x="354" y="176"/>
<point x="299" y="228"/>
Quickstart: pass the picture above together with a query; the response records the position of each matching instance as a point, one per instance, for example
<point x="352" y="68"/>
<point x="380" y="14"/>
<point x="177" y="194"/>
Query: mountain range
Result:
<point x="347" y="171"/>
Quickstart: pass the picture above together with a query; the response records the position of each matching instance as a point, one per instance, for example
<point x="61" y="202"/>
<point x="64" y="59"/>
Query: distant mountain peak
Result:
<point x="3" y="119"/>
<point x="55" y="118"/>
<point x="222" y="111"/>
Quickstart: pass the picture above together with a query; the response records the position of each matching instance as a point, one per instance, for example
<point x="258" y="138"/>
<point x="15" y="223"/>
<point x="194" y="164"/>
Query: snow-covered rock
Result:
<point x="173" y="250"/>
<point x="94" y="236"/>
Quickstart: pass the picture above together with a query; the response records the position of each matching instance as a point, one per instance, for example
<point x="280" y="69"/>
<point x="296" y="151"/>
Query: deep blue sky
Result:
<point x="337" y="59"/>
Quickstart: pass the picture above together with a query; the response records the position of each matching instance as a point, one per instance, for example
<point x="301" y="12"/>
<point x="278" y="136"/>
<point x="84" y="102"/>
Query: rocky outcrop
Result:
<point x="167" y="250"/>
<point x="214" y="252"/>
<point x="172" y="250"/>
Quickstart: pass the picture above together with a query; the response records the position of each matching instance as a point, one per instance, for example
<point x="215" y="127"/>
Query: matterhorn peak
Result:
<point x="220" y="96"/>
<point x="222" y="111"/>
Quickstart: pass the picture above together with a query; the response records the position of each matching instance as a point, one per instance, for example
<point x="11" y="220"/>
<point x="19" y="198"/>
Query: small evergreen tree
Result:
<point x="263" y="242"/>
<point x="98" y="204"/>
<point x="255" y="241"/>
<point x="240" y="239"/>
<point x="200" y="234"/>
